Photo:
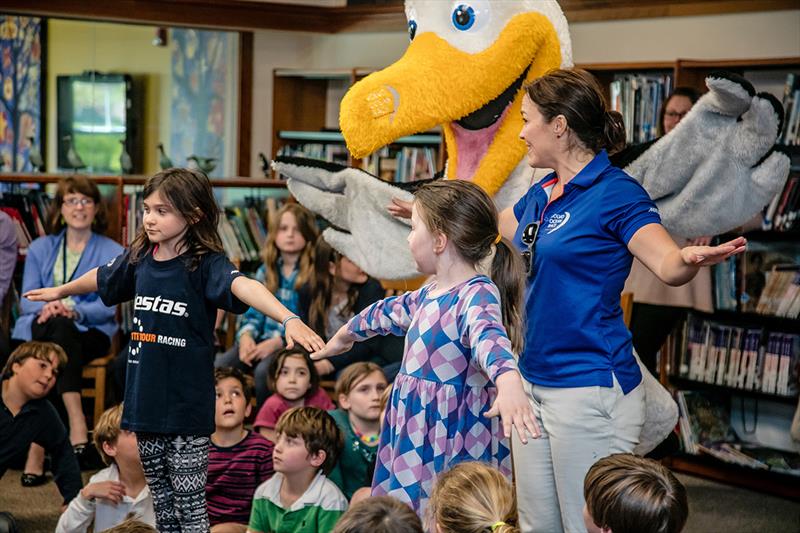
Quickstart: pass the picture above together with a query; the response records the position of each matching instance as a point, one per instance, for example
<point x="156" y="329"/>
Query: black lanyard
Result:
<point x="64" y="261"/>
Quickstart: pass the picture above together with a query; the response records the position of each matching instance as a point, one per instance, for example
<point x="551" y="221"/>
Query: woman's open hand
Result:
<point x="711" y="255"/>
<point x="399" y="208"/>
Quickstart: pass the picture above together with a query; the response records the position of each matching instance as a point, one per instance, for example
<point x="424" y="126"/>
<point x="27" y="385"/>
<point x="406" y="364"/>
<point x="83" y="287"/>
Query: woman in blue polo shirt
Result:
<point x="579" y="228"/>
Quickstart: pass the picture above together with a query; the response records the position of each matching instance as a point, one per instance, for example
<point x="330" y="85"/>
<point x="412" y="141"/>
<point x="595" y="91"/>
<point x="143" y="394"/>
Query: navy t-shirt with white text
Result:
<point x="169" y="387"/>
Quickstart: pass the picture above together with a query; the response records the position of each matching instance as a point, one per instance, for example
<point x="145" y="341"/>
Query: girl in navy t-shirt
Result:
<point x="178" y="277"/>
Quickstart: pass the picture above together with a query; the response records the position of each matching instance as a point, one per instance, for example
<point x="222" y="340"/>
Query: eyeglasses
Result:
<point x="675" y="114"/>
<point x="528" y="237"/>
<point x="75" y="202"/>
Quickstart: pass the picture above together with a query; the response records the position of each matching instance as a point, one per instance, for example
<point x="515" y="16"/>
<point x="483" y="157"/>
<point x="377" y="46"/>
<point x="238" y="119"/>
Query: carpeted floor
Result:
<point x="713" y="508"/>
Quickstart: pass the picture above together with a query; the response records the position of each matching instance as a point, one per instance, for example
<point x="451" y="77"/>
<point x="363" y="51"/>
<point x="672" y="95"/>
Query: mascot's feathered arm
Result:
<point x="717" y="168"/>
<point x="712" y="173"/>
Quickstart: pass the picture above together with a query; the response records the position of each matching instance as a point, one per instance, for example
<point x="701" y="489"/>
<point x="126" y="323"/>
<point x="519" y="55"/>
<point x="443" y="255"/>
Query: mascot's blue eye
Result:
<point x="463" y="17"/>
<point x="412" y="29"/>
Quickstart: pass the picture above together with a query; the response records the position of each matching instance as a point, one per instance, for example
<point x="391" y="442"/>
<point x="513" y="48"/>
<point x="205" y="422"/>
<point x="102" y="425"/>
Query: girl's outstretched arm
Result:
<point x="257" y="296"/>
<point x="341" y="342"/>
<point x="82" y="285"/>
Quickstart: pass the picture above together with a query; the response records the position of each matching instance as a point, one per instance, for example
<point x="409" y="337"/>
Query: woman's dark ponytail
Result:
<point x="508" y="273"/>
<point x="613" y="139"/>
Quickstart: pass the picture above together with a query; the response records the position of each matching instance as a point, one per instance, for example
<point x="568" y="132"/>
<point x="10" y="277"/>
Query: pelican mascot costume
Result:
<point x="463" y="71"/>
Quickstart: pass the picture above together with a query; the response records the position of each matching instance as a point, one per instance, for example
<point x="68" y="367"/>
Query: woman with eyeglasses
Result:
<point x="82" y="325"/>
<point x="657" y="306"/>
<point x="579" y="229"/>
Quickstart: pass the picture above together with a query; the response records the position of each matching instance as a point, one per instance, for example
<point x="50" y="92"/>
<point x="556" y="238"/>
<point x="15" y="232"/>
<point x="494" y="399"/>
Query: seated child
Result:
<point x="239" y="460"/>
<point x="472" y="497"/>
<point x="295" y="380"/>
<point x="358" y="389"/>
<point x="27" y="417"/>
<point x="132" y="526"/>
<point x="299" y="497"/>
<point x="117" y="492"/>
<point x="625" y="493"/>
<point x="381" y="514"/>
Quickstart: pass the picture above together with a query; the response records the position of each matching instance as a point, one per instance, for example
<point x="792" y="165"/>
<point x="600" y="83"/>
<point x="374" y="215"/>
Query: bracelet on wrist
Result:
<point x="287" y="319"/>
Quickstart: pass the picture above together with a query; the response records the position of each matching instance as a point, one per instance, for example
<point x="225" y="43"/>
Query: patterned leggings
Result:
<point x="176" y="467"/>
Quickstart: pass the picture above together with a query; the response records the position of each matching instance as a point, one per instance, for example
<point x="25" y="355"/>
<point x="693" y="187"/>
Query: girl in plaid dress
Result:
<point x="459" y="371"/>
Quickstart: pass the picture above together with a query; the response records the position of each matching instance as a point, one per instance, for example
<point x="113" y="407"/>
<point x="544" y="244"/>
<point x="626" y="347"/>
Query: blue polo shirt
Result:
<point x="575" y="335"/>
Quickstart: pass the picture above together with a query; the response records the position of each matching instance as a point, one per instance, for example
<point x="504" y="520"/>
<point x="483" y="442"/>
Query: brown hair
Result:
<point x="36" y="349"/>
<point x="472" y="497"/>
<point x="132" y="525"/>
<point x="189" y="192"/>
<point x="379" y="514"/>
<point x="81" y="185"/>
<point x="107" y="430"/>
<point x="353" y="374"/>
<point x="318" y="430"/>
<point x="576" y="95"/>
<point x="276" y="365"/>
<point x="689" y="92"/>
<point x="387" y="393"/>
<point x="232" y="372"/>
<point x="270" y="253"/>
<point x="321" y="288"/>
<point x="467" y="216"/>
<point x="630" y="494"/>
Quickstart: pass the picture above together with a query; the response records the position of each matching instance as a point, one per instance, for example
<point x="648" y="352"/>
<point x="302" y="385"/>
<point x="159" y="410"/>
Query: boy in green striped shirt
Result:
<point x="299" y="497"/>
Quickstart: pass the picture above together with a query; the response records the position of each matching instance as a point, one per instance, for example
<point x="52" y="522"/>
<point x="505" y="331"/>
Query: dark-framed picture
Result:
<point x="22" y="88"/>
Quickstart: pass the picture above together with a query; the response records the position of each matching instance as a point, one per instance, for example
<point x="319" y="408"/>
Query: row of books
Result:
<point x="639" y="98"/>
<point x="28" y="211"/>
<point x="401" y="165"/>
<point x="705" y="428"/>
<point x="332" y="152"/>
<point x="243" y="231"/>
<point x="741" y="358"/>
<point x="783" y="211"/>
<point x="791" y="103"/>
<point x="762" y="266"/>
<point x="781" y="294"/>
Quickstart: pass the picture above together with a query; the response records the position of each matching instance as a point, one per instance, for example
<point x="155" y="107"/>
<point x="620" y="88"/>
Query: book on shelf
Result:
<point x="744" y="358"/>
<point x="767" y="278"/>
<point x="639" y="97"/>
<point x="28" y="210"/>
<point x="790" y="134"/>
<point x="705" y="419"/>
<point x="403" y="164"/>
<point x="781" y="214"/>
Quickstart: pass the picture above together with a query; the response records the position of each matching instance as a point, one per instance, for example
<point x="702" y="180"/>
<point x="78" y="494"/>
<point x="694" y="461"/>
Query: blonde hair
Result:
<point x="107" y="430"/>
<point x="628" y="494"/>
<point x="270" y="253"/>
<point x="353" y="374"/>
<point x="379" y="514"/>
<point x="131" y="525"/>
<point x="473" y="497"/>
<point x="387" y="393"/>
<point x="42" y="351"/>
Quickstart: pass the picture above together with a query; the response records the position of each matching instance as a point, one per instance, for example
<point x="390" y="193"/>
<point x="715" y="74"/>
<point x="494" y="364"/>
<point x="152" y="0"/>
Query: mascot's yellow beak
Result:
<point x="476" y="97"/>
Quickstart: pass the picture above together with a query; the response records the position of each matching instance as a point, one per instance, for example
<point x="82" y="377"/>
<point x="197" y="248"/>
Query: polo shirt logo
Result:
<point x="556" y="222"/>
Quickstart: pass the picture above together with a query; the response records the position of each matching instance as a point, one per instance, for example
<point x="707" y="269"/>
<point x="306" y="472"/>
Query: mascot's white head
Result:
<point x="463" y="70"/>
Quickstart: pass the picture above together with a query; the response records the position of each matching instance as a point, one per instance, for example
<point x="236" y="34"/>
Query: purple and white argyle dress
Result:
<point x="456" y="346"/>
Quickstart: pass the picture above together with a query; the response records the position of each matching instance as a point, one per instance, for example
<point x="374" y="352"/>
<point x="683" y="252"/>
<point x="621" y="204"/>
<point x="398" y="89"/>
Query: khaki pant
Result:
<point x="579" y="426"/>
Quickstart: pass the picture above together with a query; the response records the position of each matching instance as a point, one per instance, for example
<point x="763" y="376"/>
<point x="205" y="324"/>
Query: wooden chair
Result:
<point x="626" y="302"/>
<point x="97" y="370"/>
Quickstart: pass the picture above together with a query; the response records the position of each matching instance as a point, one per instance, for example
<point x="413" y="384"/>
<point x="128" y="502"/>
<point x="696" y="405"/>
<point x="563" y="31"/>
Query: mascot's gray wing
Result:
<point x="717" y="168"/>
<point x="354" y="202"/>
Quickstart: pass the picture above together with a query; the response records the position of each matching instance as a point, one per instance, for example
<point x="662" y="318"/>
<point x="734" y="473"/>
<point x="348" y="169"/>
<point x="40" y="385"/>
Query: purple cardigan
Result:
<point x="42" y="254"/>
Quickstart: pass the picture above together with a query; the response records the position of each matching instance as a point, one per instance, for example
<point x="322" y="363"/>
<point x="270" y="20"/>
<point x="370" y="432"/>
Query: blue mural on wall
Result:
<point x="21" y="52"/>
<point x="200" y="79"/>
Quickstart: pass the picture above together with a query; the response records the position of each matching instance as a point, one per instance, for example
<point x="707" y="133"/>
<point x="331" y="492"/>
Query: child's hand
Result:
<point x="45" y="294"/>
<point x="297" y="331"/>
<point x="112" y="491"/>
<point x="339" y="343"/>
<point x="514" y="408"/>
